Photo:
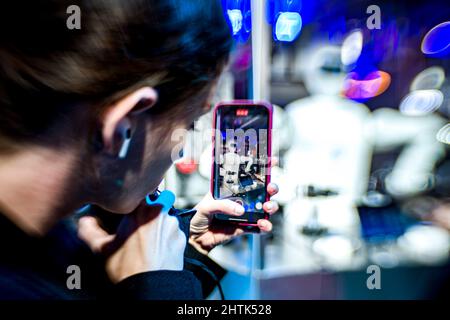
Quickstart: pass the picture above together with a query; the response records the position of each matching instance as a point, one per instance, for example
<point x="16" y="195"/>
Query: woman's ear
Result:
<point x="116" y="130"/>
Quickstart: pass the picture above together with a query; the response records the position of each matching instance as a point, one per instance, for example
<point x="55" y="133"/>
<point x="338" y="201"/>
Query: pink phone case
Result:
<point x="240" y="103"/>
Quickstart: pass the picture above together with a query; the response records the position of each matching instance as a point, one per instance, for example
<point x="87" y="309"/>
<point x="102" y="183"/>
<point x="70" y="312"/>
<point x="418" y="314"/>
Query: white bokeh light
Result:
<point x="236" y="18"/>
<point x="288" y="26"/>
<point x="444" y="134"/>
<point x="430" y="78"/>
<point x="421" y="102"/>
<point x="352" y="47"/>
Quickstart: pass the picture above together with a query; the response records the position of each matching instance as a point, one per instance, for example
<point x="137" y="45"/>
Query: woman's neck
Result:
<point x="34" y="188"/>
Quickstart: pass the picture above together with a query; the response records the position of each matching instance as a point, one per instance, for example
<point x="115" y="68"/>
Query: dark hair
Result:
<point x="177" y="46"/>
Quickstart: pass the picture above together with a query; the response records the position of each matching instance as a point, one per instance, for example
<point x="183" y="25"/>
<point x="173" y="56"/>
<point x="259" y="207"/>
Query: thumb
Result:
<point x="225" y="206"/>
<point x="93" y="235"/>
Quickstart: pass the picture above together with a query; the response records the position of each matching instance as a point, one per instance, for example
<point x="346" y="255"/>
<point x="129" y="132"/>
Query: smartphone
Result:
<point x="242" y="158"/>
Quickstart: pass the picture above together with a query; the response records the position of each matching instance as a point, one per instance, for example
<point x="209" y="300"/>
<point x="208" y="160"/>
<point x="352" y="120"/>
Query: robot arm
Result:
<point x="249" y="163"/>
<point x="222" y="170"/>
<point x="415" y="165"/>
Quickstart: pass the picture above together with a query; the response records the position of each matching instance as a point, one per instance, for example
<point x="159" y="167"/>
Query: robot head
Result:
<point x="323" y="70"/>
<point x="231" y="146"/>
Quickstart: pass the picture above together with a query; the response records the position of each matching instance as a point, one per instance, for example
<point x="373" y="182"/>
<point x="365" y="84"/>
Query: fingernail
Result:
<point x="269" y="206"/>
<point x="238" y="209"/>
<point x="263" y="223"/>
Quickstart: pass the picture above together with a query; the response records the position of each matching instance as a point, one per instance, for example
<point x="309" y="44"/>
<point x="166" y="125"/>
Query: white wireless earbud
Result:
<point x="126" y="135"/>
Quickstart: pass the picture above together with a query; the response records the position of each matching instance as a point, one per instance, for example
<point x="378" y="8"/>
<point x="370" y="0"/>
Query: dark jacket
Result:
<point x="37" y="268"/>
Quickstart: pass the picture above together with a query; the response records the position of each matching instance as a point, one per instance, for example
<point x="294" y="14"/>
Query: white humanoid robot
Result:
<point x="332" y="151"/>
<point x="230" y="163"/>
<point x="332" y="148"/>
<point x="329" y="162"/>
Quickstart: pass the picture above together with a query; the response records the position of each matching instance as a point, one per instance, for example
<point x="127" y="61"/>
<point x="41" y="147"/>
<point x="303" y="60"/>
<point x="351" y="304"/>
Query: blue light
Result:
<point x="275" y="7"/>
<point x="235" y="16"/>
<point x="288" y="26"/>
<point x="166" y="199"/>
<point x="284" y="15"/>
<point x="238" y="16"/>
<point x="436" y="42"/>
<point x="83" y="209"/>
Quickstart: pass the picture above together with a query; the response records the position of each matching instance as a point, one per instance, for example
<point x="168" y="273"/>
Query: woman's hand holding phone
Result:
<point x="205" y="235"/>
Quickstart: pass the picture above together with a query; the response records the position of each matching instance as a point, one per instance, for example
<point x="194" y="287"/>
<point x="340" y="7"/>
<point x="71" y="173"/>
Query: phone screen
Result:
<point x="241" y="158"/>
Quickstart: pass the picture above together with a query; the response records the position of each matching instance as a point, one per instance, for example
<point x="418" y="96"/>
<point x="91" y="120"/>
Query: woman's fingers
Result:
<point x="275" y="161"/>
<point x="270" y="207"/>
<point x="90" y="232"/>
<point x="265" y="225"/>
<point x="238" y="232"/>
<point x="272" y="189"/>
<point x="220" y="236"/>
<point x="224" y="206"/>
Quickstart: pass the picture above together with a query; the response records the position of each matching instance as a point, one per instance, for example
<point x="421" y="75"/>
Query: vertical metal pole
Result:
<point x="261" y="76"/>
<point x="261" y="47"/>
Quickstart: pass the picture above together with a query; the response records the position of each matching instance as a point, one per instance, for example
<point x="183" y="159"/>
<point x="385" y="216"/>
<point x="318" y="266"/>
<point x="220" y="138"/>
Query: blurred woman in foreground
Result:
<point x="69" y="100"/>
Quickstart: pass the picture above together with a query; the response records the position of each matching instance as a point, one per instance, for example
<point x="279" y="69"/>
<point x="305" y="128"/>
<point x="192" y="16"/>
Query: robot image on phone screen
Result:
<point x="242" y="161"/>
